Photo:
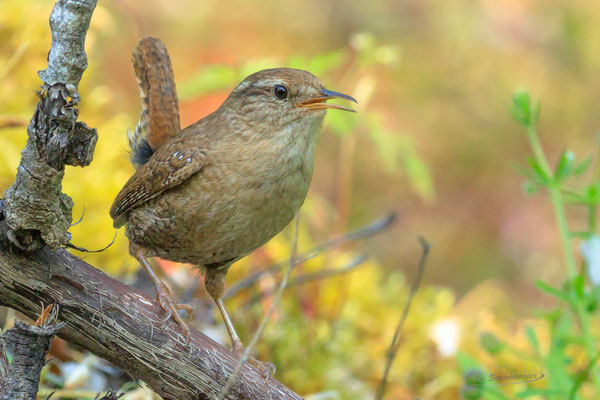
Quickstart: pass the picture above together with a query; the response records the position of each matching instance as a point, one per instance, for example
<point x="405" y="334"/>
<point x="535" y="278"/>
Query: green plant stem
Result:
<point x="561" y="220"/>
<point x="556" y="198"/>
<point x="592" y="219"/>
<point x="593" y="207"/>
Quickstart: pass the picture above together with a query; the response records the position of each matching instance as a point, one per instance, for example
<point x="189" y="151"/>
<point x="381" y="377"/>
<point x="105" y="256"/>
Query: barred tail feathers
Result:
<point x="159" y="118"/>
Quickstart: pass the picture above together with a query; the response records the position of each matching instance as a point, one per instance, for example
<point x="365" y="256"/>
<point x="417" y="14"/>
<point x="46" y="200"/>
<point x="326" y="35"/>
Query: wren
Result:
<point x="217" y="190"/>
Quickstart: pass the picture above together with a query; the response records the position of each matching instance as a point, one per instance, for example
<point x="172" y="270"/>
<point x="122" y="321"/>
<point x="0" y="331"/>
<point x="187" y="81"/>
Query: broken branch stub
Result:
<point x="27" y="346"/>
<point x="36" y="211"/>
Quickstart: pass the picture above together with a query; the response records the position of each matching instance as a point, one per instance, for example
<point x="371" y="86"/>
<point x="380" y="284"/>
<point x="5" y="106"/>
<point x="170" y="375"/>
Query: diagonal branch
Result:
<point x="364" y="232"/>
<point x="311" y="277"/>
<point x="395" y="345"/>
<point x="124" y="326"/>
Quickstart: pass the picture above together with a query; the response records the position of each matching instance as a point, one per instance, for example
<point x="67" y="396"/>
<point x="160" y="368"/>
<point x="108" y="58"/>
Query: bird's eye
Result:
<point x="280" y="92"/>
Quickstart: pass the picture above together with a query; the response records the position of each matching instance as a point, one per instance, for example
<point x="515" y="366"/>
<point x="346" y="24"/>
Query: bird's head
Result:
<point x="283" y="98"/>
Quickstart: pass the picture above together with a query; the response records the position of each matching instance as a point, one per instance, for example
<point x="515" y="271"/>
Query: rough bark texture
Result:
<point x="122" y="325"/>
<point x="28" y="346"/>
<point x="37" y="212"/>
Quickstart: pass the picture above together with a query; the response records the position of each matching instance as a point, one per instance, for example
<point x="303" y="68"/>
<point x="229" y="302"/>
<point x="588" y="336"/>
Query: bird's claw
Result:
<point x="172" y="309"/>
<point x="267" y="369"/>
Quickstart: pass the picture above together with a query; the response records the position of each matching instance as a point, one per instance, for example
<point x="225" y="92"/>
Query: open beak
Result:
<point x="318" y="103"/>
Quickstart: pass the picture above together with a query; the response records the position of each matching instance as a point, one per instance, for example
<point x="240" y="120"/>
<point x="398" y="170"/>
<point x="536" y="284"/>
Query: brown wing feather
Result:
<point x="167" y="168"/>
<point x="159" y="119"/>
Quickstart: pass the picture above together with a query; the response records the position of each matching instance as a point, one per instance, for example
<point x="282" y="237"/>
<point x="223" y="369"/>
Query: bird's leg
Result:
<point x="214" y="283"/>
<point x="163" y="295"/>
<point x="236" y="343"/>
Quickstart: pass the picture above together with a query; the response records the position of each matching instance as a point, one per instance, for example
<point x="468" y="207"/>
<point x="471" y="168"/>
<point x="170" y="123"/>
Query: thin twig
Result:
<point x="80" y="218"/>
<point x="263" y="324"/>
<point x="311" y="277"/>
<point x="393" y="349"/>
<point x="372" y="229"/>
<point x="83" y="250"/>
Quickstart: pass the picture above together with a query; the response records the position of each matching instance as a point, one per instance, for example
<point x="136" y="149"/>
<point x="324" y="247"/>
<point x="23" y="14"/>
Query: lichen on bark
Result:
<point x="37" y="213"/>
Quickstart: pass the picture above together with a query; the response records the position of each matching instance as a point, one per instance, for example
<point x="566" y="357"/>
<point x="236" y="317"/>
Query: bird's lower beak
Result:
<point x="318" y="103"/>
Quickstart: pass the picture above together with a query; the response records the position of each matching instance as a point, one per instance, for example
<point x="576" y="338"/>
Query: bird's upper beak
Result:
<point x="318" y="103"/>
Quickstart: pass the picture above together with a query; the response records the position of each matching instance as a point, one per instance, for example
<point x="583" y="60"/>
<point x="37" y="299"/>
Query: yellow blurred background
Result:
<point x="433" y="139"/>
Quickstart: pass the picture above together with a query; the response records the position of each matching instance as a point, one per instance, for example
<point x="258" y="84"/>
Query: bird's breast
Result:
<point x="278" y="177"/>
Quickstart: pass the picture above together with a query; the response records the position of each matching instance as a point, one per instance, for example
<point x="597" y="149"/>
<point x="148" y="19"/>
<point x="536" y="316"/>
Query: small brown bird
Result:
<point x="217" y="190"/>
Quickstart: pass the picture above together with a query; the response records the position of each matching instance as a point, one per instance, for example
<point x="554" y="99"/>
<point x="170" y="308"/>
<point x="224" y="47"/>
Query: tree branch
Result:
<point x="124" y="326"/>
<point x="28" y="346"/>
<point x="37" y="212"/>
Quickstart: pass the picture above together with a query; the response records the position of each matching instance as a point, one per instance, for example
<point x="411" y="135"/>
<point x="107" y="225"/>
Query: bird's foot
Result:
<point x="163" y="295"/>
<point x="267" y="369"/>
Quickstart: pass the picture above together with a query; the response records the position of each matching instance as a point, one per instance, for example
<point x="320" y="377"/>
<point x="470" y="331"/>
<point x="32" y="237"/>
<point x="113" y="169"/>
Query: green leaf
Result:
<point x="592" y="194"/>
<point x="582" y="166"/>
<point x="579" y="284"/>
<point x="594" y="296"/>
<point x="558" y="364"/>
<point x="572" y="197"/>
<point x="592" y="304"/>
<point x="559" y="294"/>
<point x="565" y="165"/>
<point x="523" y="170"/>
<point x="395" y="151"/>
<point x="579" y="235"/>
<point x="522" y="110"/>
<point x="539" y="173"/>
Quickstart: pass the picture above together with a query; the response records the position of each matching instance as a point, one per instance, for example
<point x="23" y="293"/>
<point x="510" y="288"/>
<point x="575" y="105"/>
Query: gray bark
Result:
<point x="37" y="213"/>
<point x="27" y="346"/>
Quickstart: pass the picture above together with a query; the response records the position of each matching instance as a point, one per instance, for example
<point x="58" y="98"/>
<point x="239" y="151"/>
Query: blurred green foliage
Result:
<point x="568" y="362"/>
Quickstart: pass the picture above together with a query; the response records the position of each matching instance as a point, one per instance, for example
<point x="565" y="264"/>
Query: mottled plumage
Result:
<point x="222" y="187"/>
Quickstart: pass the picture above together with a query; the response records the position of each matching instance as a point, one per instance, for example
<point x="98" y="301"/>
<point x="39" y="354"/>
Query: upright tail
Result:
<point x="159" y="119"/>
